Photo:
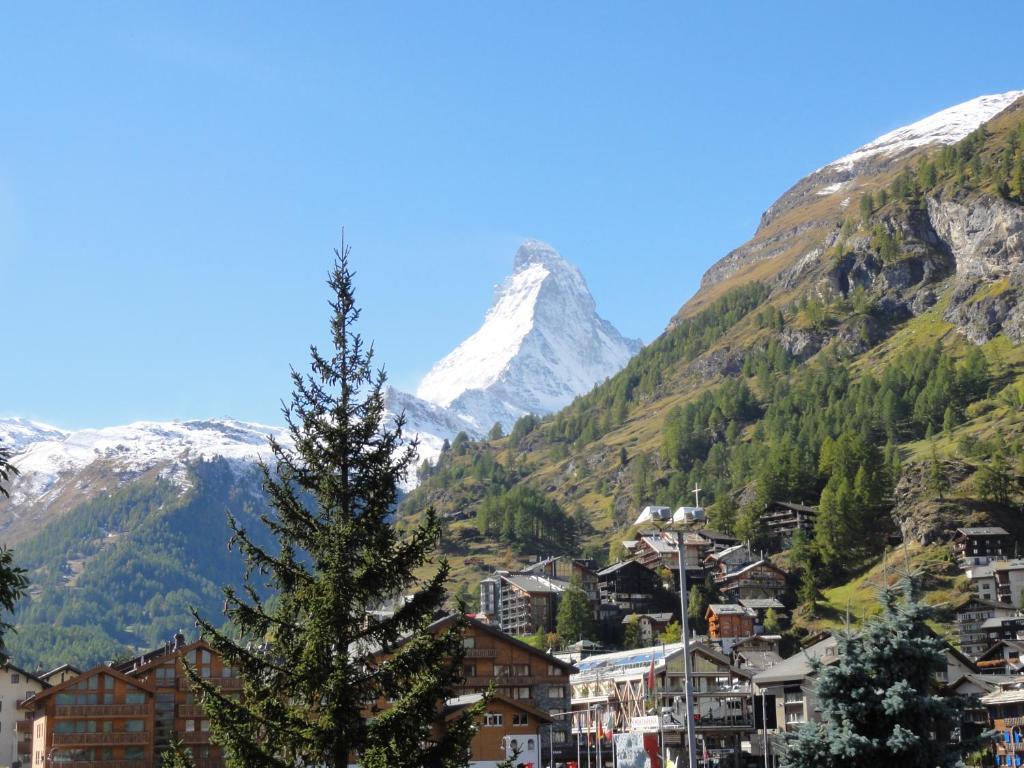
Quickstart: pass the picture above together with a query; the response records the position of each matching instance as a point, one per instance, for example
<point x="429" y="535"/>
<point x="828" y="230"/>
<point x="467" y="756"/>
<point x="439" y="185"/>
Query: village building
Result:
<point x="520" y="673"/>
<point x="59" y="674"/>
<point x="756" y="653"/>
<point x="759" y="579"/>
<point x="629" y="586"/>
<point x="614" y="689"/>
<point x="520" y="603"/>
<point x="507" y="729"/>
<point x="658" y="552"/>
<point x="729" y="622"/>
<point x="100" y="716"/>
<point x="1002" y="657"/>
<point x="565" y="569"/>
<point x="1005" y="710"/>
<point x="980" y="545"/>
<point x="971" y="614"/>
<point x="782" y="519"/>
<point x="648" y="626"/>
<point x="730" y="559"/>
<point x="760" y="606"/>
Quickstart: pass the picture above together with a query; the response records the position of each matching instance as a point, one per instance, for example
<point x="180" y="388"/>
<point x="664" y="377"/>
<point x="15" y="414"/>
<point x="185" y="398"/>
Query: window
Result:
<point x="493" y="720"/>
<point x="559" y="737"/>
<point x="522" y="692"/>
<point x="554" y="671"/>
<point x="520" y="719"/>
<point x="15" y="678"/>
<point x="469" y="670"/>
<point x="134" y="726"/>
<point x="556" y="692"/>
<point x="135" y="697"/>
<point x="522" y="670"/>
<point x="502" y="670"/>
<point x="469" y="642"/>
<point x="134" y="753"/>
<point x="190" y="726"/>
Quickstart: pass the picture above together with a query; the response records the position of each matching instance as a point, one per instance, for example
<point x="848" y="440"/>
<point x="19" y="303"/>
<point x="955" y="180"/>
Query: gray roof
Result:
<point x="985" y="530"/>
<point x="996" y="622"/>
<point x="535" y="584"/>
<point x="797" y="666"/>
<point x="729" y="608"/>
<point x="618" y="567"/>
<point x="658" y="617"/>
<point x="1011" y="696"/>
<point x="758" y="603"/>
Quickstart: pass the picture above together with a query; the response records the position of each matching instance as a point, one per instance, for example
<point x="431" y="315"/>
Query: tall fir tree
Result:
<point x="877" y="702"/>
<point x="327" y="680"/>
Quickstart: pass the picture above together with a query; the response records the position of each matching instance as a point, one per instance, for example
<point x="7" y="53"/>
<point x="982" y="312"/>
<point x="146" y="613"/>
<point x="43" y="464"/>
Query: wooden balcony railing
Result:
<point x="225" y="683"/>
<point x="195" y="737"/>
<point x="102" y="710"/>
<point x="84" y="739"/>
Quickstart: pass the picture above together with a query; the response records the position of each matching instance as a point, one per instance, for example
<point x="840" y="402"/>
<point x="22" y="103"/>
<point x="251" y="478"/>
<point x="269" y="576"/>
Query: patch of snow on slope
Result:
<point x="945" y="127"/>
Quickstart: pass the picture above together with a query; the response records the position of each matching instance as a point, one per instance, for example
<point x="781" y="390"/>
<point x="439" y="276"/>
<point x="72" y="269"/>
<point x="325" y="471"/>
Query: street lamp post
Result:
<point x="663" y="519"/>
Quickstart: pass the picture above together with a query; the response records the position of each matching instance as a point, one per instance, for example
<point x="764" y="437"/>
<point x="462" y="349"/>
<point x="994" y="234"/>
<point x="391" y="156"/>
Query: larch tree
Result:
<point x="328" y="679"/>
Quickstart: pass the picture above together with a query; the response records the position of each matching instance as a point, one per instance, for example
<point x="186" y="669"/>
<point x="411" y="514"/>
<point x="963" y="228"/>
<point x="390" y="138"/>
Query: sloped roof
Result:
<point x="759" y="603"/>
<point x="454" y="706"/>
<point x="101" y="669"/>
<point x="797" y="666"/>
<point x="442" y="623"/>
<point x="984" y="530"/>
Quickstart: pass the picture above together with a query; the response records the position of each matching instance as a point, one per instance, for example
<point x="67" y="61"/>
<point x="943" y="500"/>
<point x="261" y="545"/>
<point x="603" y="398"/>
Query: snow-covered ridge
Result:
<point x="945" y="127"/>
<point x="541" y="344"/>
<point x="49" y="454"/>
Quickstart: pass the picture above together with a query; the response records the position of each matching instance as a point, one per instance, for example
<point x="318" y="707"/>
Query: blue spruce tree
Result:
<point x="877" y="702"/>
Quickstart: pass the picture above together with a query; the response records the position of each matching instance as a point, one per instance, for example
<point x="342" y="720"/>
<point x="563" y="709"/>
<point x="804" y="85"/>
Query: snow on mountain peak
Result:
<point x="945" y="127"/>
<point x="541" y="344"/>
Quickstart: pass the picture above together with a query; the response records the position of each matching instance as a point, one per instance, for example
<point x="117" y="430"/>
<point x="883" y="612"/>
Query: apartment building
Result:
<point x="971" y="615"/>
<point x="628" y="586"/>
<point x="130" y="712"/>
<point x="101" y="716"/>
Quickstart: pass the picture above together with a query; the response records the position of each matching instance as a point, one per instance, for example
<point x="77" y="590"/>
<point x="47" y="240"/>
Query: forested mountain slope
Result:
<point x="861" y="352"/>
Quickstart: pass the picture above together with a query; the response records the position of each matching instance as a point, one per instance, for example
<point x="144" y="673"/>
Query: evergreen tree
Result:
<point x="772" y="624"/>
<point x="13" y="581"/>
<point x="876" y="702"/>
<point x="575" y="620"/>
<point x="993" y="481"/>
<point x="496" y="432"/>
<point x="317" y="665"/>
<point x="935" y="476"/>
<point x="697" y="607"/>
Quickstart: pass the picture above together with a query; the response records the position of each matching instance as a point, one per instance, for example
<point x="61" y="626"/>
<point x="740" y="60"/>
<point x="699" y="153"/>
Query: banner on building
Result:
<point x="637" y="750"/>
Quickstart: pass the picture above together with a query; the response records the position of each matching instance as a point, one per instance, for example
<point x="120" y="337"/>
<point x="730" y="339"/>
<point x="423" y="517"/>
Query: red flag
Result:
<point x="650" y="678"/>
<point x="600" y="730"/>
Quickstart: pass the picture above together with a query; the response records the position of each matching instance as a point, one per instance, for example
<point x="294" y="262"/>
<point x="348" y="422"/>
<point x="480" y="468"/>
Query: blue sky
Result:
<point x="173" y="176"/>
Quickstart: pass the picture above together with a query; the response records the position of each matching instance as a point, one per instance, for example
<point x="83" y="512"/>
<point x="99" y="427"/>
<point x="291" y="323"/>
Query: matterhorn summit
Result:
<point x="541" y="344"/>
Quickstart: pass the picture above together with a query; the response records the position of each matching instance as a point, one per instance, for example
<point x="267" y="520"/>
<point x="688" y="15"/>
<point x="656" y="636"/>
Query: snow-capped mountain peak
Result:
<point x="945" y="127"/>
<point x="541" y="344"/>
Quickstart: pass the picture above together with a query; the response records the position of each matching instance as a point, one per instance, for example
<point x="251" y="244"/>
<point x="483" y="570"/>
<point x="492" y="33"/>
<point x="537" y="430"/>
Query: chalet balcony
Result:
<point x="195" y="737"/>
<point x="89" y="739"/>
<point x="224" y="683"/>
<point x="24" y="726"/>
<point x="101" y="763"/>
<point x="102" y="710"/>
<point x="481" y="653"/>
<point x="186" y="711"/>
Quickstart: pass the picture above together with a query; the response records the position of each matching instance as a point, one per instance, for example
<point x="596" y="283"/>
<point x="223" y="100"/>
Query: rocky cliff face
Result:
<point x="794" y="225"/>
